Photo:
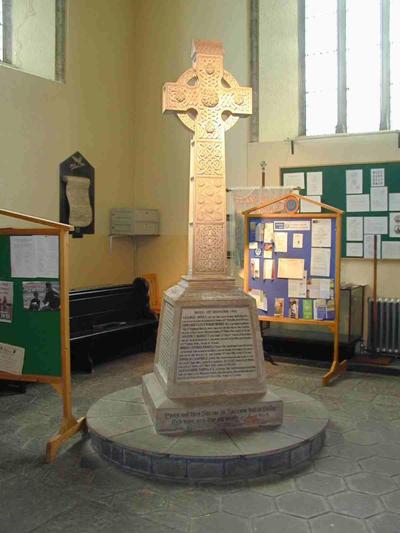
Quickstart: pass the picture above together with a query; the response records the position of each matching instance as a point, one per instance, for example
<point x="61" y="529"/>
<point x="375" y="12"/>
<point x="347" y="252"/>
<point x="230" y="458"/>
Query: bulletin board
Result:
<point x="292" y="266"/>
<point x="37" y="332"/>
<point x="368" y="193"/>
<point x="34" y="331"/>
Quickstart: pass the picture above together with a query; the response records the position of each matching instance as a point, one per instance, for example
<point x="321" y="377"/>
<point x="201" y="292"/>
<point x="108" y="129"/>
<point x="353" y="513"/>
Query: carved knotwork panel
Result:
<point x="210" y="248"/>
<point x="210" y="200"/>
<point x="209" y="158"/>
<point x="237" y="100"/>
<point x="209" y="125"/>
<point x="210" y="69"/>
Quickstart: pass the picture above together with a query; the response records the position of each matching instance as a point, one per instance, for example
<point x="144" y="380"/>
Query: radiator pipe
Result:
<point x="374" y="295"/>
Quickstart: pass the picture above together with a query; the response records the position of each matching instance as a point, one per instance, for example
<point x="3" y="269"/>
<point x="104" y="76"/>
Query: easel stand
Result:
<point x="61" y="382"/>
<point x="287" y="208"/>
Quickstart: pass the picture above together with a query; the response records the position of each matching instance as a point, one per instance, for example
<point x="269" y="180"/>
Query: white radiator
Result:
<point x="384" y="327"/>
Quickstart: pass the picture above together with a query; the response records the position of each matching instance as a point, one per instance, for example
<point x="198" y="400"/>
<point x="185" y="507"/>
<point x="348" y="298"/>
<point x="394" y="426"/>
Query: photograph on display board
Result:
<point x="293" y="308"/>
<point x="41" y="295"/>
<point x="279" y="306"/>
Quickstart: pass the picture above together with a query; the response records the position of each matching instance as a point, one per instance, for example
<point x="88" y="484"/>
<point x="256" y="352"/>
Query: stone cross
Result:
<point x="209" y="101"/>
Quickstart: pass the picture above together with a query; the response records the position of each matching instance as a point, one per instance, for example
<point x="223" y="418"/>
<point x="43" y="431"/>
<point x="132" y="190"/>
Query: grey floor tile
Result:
<point x="172" y="517"/>
<point x="322" y="484"/>
<point x="336" y="523"/>
<point x="26" y="504"/>
<point x="336" y="465"/>
<point x="381" y="465"/>
<point x="371" y="483"/>
<point x="196" y="501"/>
<point x="355" y="504"/>
<point x="247" y="504"/>
<point x="302" y="504"/>
<point x="141" y="501"/>
<point x="384" y="523"/>
<point x="220" y="522"/>
<point x="392" y="501"/>
<point x="275" y="486"/>
<point x="280" y="523"/>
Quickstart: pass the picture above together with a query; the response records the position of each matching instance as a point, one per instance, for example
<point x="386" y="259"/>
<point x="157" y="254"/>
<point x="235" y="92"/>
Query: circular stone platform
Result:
<point x="122" y="432"/>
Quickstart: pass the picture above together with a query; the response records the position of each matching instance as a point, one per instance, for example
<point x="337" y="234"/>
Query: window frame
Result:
<point x="341" y="126"/>
<point x="7" y="32"/>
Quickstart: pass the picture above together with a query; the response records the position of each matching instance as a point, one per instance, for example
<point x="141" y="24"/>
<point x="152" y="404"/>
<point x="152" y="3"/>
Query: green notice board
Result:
<point x="38" y="332"/>
<point x="334" y="193"/>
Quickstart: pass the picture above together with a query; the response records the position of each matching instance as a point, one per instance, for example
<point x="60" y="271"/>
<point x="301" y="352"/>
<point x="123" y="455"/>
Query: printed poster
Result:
<point x="6" y="301"/>
<point x="11" y="358"/>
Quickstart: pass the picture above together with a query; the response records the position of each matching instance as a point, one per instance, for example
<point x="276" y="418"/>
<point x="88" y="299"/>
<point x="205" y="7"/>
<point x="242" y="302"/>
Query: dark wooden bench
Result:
<point x="110" y="320"/>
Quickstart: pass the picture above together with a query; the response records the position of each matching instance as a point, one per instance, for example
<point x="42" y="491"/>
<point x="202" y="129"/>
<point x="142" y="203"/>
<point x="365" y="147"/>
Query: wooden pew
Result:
<point x="109" y="320"/>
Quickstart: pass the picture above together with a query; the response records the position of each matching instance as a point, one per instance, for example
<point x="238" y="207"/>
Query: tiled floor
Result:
<point x="352" y="487"/>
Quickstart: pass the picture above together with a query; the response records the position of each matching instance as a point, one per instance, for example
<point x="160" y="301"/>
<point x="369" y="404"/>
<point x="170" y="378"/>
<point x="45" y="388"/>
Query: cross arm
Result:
<point x="178" y="98"/>
<point x="238" y="101"/>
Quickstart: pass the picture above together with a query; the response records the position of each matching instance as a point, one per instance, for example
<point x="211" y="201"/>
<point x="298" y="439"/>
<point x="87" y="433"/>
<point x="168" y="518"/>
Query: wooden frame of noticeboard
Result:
<point x="290" y="211"/>
<point x="45" y="335"/>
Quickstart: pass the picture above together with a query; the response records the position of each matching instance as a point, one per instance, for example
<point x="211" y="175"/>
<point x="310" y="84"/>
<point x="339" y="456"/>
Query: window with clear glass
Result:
<point x="32" y="36"/>
<point x="350" y="62"/>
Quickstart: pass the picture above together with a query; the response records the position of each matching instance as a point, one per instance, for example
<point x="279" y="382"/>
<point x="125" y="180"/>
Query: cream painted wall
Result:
<point x="44" y="122"/>
<point x="164" y="31"/>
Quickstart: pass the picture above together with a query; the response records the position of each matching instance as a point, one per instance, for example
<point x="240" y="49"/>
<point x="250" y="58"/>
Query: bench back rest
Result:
<point x="90" y="307"/>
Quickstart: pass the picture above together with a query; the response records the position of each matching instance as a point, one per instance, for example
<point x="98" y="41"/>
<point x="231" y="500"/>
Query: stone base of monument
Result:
<point x="122" y="432"/>
<point x="175" y="416"/>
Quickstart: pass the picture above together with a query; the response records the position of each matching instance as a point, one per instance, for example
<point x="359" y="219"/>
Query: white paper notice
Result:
<point x="281" y="241"/>
<point x="34" y="256"/>
<point x="314" y="183"/>
<point x="369" y="246"/>
<point x="375" y="225"/>
<point x="297" y="288"/>
<point x="11" y="358"/>
<point x="379" y="199"/>
<point x="253" y="245"/>
<point x="23" y="260"/>
<point x="308" y="207"/>
<point x="290" y="268"/>
<point x="394" y="225"/>
<point x="354" y="249"/>
<point x="294" y="179"/>
<point x="297" y="240"/>
<point x="292" y="225"/>
<point x="320" y="262"/>
<point x="268" y="269"/>
<point x="390" y="250"/>
<point x="321" y="232"/>
<point x="377" y="177"/>
<point x="46" y="256"/>
<point x="269" y="232"/>
<point x="357" y="203"/>
<point x="354" y="226"/>
<point x="354" y="181"/>
<point x="258" y="296"/>
<point x="319" y="288"/>
<point x="394" y="201"/>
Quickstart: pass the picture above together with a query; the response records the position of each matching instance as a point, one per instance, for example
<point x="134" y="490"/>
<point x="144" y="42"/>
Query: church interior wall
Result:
<point x="278" y="122"/>
<point x="43" y="122"/>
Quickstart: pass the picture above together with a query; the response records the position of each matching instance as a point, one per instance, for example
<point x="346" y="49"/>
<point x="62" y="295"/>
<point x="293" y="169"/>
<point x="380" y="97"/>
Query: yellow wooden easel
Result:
<point x="279" y="209"/>
<point x="62" y="384"/>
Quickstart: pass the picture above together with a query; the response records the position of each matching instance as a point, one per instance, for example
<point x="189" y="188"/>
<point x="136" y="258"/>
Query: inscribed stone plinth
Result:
<point x="209" y="368"/>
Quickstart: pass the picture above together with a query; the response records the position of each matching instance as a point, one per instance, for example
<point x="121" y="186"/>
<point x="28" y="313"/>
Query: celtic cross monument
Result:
<point x="209" y="368"/>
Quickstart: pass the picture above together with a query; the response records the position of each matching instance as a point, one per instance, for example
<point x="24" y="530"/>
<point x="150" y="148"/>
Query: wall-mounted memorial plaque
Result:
<point x="77" y="194"/>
